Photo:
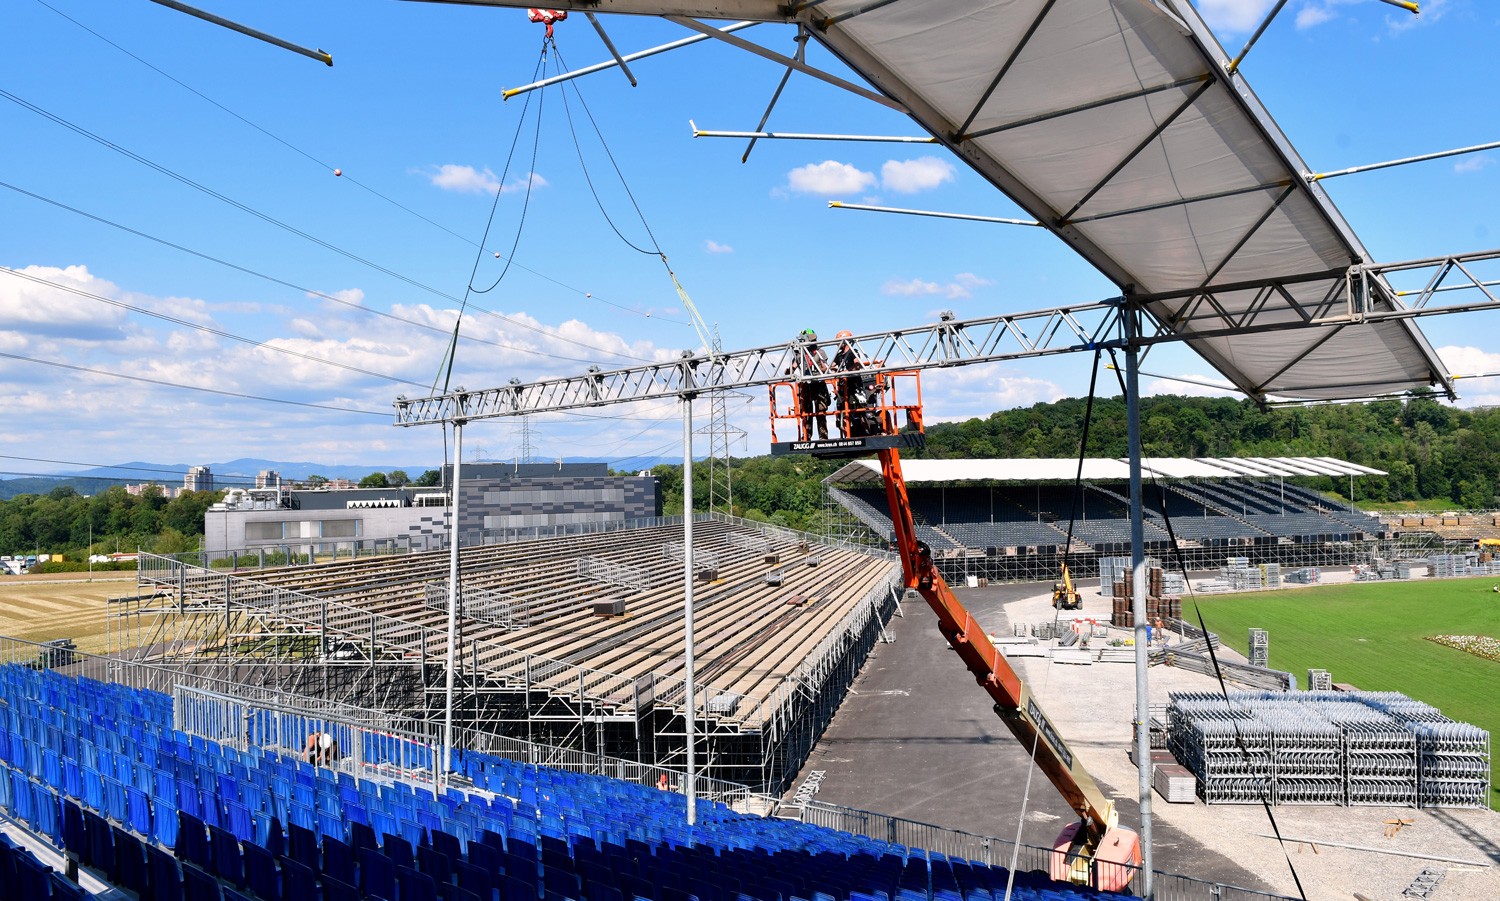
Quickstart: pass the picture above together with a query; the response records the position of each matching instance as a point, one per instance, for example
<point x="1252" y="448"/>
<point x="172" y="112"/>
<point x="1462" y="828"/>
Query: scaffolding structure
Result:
<point x="1333" y="748"/>
<point x="222" y="627"/>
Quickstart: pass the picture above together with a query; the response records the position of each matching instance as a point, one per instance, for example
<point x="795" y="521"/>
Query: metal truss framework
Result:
<point x="1451" y="287"/>
<point x="227" y="628"/>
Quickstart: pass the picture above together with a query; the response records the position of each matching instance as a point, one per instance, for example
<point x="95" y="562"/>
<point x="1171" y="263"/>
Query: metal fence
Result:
<point x="1004" y="853"/>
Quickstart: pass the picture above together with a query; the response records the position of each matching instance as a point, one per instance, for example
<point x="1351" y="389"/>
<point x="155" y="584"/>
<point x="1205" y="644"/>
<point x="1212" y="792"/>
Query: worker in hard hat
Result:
<point x="322" y="749"/>
<point x="851" y="400"/>
<point x="812" y="395"/>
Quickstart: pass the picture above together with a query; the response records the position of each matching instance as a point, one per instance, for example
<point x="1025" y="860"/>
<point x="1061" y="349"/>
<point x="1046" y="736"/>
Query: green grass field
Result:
<point x="1374" y="635"/>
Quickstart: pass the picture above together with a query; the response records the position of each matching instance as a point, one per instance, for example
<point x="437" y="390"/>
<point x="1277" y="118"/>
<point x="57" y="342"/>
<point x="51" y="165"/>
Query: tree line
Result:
<point x="1431" y="451"/>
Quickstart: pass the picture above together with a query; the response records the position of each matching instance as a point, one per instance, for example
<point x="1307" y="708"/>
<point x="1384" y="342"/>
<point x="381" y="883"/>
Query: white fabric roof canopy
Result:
<point x="1115" y="124"/>
<point x="1096" y="469"/>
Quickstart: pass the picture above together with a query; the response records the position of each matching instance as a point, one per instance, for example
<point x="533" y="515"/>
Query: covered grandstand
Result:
<point x="1008" y="520"/>
<point x="574" y="640"/>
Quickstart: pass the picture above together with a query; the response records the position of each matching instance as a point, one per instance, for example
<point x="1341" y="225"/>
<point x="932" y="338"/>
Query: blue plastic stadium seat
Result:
<point x="131" y="868"/>
<point x="98" y="842"/>
<point x="63" y="890"/>
<point x="166" y="878"/>
<point x="298" y="882"/>
<point x="198" y="885"/>
<point x="338" y="890"/>
<point x="261" y="874"/>
<point x="33" y="879"/>
<point x="377" y="873"/>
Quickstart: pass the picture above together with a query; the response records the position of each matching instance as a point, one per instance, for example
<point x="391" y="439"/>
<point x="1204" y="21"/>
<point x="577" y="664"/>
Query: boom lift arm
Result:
<point x="1096" y="842"/>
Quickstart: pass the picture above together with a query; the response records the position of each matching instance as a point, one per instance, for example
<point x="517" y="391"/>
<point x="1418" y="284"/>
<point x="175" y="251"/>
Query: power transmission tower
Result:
<point x="528" y="452"/>
<point x="721" y="438"/>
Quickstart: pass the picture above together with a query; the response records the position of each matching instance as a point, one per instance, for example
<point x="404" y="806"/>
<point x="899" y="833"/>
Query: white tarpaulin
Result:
<point x="1116" y="124"/>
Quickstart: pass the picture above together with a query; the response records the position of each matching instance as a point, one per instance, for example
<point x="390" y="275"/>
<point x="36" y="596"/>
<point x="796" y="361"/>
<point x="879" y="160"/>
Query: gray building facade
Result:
<point x="494" y="497"/>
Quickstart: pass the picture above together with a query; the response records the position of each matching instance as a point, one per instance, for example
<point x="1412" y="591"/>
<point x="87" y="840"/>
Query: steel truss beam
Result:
<point x="1360" y="296"/>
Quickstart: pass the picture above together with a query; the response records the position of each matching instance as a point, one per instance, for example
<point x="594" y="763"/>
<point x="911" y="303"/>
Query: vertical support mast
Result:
<point x="689" y="786"/>
<point x="453" y="508"/>
<point x="1138" y="589"/>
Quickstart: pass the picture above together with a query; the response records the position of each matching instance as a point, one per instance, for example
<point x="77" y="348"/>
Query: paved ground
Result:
<point x="916" y="738"/>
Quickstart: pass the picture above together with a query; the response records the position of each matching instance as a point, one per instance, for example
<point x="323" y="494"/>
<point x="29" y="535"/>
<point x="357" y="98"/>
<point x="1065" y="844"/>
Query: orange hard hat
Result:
<point x="844" y="333"/>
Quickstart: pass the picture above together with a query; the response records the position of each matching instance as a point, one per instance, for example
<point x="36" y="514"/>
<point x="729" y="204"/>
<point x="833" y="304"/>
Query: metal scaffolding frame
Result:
<point x="227" y="627"/>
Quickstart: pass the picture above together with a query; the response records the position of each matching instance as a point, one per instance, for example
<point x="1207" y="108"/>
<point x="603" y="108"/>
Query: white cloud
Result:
<point x="1472" y="164"/>
<point x="354" y="296"/>
<point x="912" y="288"/>
<point x="117" y="419"/>
<point x="465" y="179"/>
<point x="1190" y="388"/>
<point x="829" y="177"/>
<point x="1472" y="361"/>
<point x="911" y="176"/>
<point x="713" y="246"/>
<point x="1234" y="16"/>
<point x="1309" y="16"/>
<point x="971" y="391"/>
<point x="1316" y="12"/>
<point x="962" y="285"/>
<point x="38" y="302"/>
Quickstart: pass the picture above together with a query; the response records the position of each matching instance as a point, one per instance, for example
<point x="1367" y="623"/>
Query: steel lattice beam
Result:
<point x="989" y="339"/>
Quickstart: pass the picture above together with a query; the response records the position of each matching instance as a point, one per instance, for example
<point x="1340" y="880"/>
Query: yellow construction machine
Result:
<point x="1064" y="595"/>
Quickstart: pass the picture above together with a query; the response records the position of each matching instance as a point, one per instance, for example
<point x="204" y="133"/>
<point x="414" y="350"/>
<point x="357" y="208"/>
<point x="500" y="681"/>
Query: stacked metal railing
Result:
<point x="1224" y="746"/>
<point x="1339" y="748"/>
<point x="485" y="605"/>
<point x="673" y="550"/>
<point x="749" y="541"/>
<point x="635" y="578"/>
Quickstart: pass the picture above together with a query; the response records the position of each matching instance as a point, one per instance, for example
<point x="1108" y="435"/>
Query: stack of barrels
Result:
<point x="1159" y="606"/>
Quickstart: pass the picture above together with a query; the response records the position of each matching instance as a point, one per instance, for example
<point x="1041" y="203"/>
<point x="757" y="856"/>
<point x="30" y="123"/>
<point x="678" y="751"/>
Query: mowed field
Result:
<point x="41" y="610"/>
<point x="1374" y="635"/>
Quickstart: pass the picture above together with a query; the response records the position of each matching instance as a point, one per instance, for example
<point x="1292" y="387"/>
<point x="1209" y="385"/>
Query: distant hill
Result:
<point x="240" y="471"/>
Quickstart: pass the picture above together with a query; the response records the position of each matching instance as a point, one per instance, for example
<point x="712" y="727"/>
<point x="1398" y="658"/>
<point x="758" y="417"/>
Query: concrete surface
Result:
<point x="916" y="738"/>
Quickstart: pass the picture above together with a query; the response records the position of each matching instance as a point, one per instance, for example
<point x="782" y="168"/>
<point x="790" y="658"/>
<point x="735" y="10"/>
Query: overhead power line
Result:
<point x="321" y="295"/>
<point x="327" y="167"/>
<point x="286" y="226"/>
<point x="262" y="345"/>
<point x="166" y="384"/>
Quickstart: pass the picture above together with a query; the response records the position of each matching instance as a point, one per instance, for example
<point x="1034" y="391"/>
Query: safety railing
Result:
<point x="1003" y="852"/>
<point x="317" y="615"/>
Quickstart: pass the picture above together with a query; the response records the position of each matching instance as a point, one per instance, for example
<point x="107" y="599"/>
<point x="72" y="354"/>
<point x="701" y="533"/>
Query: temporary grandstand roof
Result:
<point x="1096" y="469"/>
<point x="1119" y="127"/>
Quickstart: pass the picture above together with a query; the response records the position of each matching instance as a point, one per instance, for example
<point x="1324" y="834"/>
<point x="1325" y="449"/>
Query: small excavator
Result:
<point x="1095" y="850"/>
<point x="1064" y="595"/>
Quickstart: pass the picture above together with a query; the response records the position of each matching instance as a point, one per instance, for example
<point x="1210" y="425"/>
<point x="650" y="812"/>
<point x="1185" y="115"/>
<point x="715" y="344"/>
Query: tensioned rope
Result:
<point x="1212" y="655"/>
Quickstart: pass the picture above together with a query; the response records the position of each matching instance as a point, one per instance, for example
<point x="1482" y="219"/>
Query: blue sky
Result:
<point x="231" y="155"/>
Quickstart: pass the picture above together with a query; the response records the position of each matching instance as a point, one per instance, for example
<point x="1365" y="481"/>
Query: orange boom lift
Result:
<point x="1096" y="850"/>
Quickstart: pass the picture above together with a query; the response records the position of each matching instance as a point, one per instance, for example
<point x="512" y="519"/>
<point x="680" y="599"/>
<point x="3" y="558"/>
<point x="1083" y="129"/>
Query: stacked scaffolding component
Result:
<point x="1260" y="648"/>
<point x="1380" y="757"/>
<point x="1324" y="747"/>
<point x="1224" y="746"/>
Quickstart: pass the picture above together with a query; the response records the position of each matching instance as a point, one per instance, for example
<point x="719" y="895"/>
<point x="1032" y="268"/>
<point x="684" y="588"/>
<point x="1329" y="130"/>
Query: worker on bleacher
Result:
<point x="812" y="395"/>
<point x="322" y="749"/>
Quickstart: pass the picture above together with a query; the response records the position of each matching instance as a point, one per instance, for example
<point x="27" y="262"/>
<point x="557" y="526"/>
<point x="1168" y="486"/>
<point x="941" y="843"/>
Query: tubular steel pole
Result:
<point x="689" y="787"/>
<point x="453" y="507"/>
<point x="1138" y="594"/>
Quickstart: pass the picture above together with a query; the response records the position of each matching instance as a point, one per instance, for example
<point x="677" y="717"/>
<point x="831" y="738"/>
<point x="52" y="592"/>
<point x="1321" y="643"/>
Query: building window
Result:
<point x="263" y="531"/>
<point x="340" y="528"/>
